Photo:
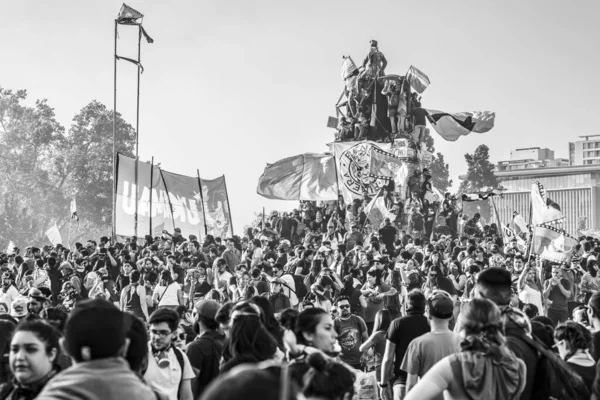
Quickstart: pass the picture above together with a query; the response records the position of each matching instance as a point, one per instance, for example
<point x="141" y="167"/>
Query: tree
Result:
<point x="42" y="169"/>
<point x="480" y="171"/>
<point x="440" y="172"/>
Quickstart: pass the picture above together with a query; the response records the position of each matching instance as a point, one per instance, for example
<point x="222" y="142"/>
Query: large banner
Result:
<point x="173" y="201"/>
<point x="353" y="162"/>
<point x="186" y="203"/>
<point x="128" y="195"/>
<point x="216" y="207"/>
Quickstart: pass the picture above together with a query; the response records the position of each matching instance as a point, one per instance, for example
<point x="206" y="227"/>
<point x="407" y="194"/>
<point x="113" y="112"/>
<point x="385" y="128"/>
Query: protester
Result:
<point x="34" y="352"/>
<point x="169" y="369"/>
<point x="484" y="369"/>
<point x="99" y="372"/>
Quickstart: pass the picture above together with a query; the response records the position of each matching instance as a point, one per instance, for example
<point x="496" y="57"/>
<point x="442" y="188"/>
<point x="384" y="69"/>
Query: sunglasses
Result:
<point x="433" y="275"/>
<point x="343" y="306"/>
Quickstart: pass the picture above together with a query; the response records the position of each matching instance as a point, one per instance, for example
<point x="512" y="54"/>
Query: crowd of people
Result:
<point x="315" y="303"/>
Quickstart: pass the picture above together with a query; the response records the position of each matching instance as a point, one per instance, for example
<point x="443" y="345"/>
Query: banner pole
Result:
<point x="162" y="177"/>
<point x="137" y="127"/>
<point x="151" y="186"/>
<point x="202" y="200"/>
<point x="228" y="206"/>
<point x="114" y="132"/>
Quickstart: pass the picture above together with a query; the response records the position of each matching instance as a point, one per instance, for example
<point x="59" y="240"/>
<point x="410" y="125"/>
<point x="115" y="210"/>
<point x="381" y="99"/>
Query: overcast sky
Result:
<point x="231" y="85"/>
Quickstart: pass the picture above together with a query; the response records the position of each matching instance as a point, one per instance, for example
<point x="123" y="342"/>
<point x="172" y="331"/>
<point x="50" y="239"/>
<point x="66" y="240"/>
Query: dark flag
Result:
<point x="128" y="15"/>
<point x="452" y="126"/>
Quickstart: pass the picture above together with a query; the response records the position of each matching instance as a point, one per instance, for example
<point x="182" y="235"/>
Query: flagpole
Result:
<point x="151" y="184"/>
<point x="114" y="132"/>
<point x="137" y="126"/>
<point x="228" y="206"/>
<point x="202" y="201"/>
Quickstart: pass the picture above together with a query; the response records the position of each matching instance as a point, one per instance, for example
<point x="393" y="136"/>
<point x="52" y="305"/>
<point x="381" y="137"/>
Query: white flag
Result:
<point x="53" y="235"/>
<point x="74" y="210"/>
<point x="10" y="247"/>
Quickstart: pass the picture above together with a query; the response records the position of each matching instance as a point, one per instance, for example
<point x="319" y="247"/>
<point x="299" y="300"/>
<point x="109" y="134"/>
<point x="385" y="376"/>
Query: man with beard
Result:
<point x="36" y="301"/>
<point x="169" y="369"/>
<point x="352" y="333"/>
<point x="8" y="292"/>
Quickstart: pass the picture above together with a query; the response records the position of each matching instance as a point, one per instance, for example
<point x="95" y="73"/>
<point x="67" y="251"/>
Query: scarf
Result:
<point x="30" y="391"/>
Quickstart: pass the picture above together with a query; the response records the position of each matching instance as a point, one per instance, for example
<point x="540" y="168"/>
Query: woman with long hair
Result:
<point x="573" y="342"/>
<point x="34" y="351"/>
<point x="374" y="347"/>
<point x="249" y="339"/>
<point x="168" y="292"/>
<point x="268" y="317"/>
<point x="485" y="368"/>
<point x="244" y="290"/>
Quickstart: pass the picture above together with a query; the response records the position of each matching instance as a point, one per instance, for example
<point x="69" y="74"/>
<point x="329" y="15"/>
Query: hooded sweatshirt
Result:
<point x="474" y="375"/>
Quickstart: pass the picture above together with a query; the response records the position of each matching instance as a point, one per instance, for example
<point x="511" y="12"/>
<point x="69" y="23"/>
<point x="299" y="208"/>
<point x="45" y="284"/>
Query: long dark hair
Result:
<point x="306" y="321"/>
<point x="578" y="337"/>
<point x="382" y="321"/>
<point x="327" y="379"/>
<point x="46" y="334"/>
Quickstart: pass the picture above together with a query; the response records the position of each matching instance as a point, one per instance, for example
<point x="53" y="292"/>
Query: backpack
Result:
<point x="299" y="285"/>
<point x="179" y="356"/>
<point x="301" y="291"/>
<point x="553" y="377"/>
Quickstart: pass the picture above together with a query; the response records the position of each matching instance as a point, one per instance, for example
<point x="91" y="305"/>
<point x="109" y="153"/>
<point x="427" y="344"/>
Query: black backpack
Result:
<point x="554" y="379"/>
<point x="300" y="291"/>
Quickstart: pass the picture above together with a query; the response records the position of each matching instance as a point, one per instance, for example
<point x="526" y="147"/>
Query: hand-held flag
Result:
<point x="74" y="210"/>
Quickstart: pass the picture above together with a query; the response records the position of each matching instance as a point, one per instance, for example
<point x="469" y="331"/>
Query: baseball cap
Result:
<point x="440" y="304"/>
<point x="207" y="308"/>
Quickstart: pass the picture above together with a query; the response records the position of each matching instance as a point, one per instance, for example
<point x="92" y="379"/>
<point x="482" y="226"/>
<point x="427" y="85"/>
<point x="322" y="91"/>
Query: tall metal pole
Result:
<point x="137" y="127"/>
<point x="151" y="186"/>
<point x="114" y="147"/>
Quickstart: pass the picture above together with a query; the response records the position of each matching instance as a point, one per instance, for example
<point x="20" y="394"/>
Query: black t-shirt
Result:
<point x="402" y="331"/>
<point x="205" y="354"/>
<point x="388" y="234"/>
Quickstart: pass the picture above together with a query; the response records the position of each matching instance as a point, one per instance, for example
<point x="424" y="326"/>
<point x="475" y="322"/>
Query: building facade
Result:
<point x="576" y="189"/>
<point x="531" y="157"/>
<point x="586" y="151"/>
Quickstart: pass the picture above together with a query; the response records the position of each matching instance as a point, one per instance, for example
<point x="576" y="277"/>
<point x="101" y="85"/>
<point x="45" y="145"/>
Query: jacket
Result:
<point x="104" y="379"/>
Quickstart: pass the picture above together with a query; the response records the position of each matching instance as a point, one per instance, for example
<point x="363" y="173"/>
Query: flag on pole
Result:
<point x="128" y="15"/>
<point x="519" y="224"/>
<point x="53" y="235"/>
<point x="384" y="165"/>
<point x="10" y="247"/>
<point x="377" y="212"/>
<point x="417" y="79"/>
<point x="543" y="211"/>
<point x="303" y="177"/>
<point x="553" y="244"/>
<point x="451" y="126"/>
<point x="74" y="210"/>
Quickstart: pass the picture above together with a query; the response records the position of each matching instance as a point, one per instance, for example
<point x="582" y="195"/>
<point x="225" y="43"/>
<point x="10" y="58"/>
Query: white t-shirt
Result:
<point x="167" y="380"/>
<point x="11" y="294"/>
<point x="167" y="295"/>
